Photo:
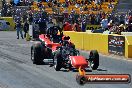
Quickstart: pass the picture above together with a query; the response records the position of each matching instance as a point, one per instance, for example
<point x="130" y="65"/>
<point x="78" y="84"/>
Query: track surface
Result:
<point x="17" y="70"/>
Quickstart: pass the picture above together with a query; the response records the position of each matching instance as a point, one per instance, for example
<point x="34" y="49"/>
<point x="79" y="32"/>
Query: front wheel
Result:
<point x="81" y="80"/>
<point x="57" y="62"/>
<point x="94" y="59"/>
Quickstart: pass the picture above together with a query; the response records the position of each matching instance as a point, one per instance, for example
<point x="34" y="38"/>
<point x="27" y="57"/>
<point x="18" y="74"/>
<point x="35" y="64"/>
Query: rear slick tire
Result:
<point x="36" y="56"/>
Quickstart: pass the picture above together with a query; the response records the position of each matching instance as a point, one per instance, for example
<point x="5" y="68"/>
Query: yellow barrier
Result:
<point x="77" y="38"/>
<point x="129" y="51"/>
<point x="89" y="41"/>
<point x="10" y="20"/>
<point x="97" y="41"/>
<point x="128" y="47"/>
<point x="104" y="44"/>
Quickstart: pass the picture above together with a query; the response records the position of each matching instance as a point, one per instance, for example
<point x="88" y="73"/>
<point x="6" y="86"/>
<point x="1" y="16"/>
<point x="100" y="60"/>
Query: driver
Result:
<point x="53" y="32"/>
<point x="66" y="42"/>
<point x="68" y="46"/>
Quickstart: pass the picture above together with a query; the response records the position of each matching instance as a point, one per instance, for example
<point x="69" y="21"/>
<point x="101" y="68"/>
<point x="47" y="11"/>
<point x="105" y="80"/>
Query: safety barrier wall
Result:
<point x="77" y="38"/>
<point x="95" y="41"/>
<point x="10" y="20"/>
<point x="91" y="41"/>
<point x="128" y="46"/>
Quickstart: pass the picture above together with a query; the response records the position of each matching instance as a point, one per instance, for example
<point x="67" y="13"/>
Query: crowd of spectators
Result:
<point x="121" y="23"/>
<point x="83" y="5"/>
<point x="113" y="22"/>
<point x="6" y="9"/>
<point x="76" y="3"/>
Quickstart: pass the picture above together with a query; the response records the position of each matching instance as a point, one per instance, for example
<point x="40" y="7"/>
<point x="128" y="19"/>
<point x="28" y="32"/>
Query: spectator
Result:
<point x="110" y="5"/>
<point x="129" y="27"/>
<point x="77" y="5"/>
<point x="50" y="23"/>
<point x="95" y="2"/>
<point x="126" y="19"/>
<point x="96" y="8"/>
<point x="83" y="25"/>
<point x="42" y="26"/>
<point x="30" y="18"/>
<point x="116" y="18"/>
<point x="76" y="27"/>
<point x="130" y="19"/>
<point x="129" y="12"/>
<point x="110" y="24"/>
<point x="114" y="29"/>
<point x="100" y="8"/>
<point x="19" y="29"/>
<point x="121" y="29"/>
<point x="122" y="19"/>
<point x="89" y="1"/>
<point x="104" y="23"/>
<point x="98" y="19"/>
<point x="85" y="8"/>
<point x="67" y="26"/>
<point x="26" y="28"/>
<point x="92" y="19"/>
<point x="25" y="17"/>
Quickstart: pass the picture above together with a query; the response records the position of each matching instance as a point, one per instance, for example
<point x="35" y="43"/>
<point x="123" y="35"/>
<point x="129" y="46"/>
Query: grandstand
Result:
<point x="91" y="7"/>
<point x="123" y="6"/>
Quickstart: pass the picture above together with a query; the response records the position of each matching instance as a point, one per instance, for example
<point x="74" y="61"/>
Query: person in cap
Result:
<point x="42" y="26"/>
<point x="121" y="29"/>
<point x="104" y="23"/>
<point x="19" y="29"/>
<point x="26" y="28"/>
<point x="129" y="27"/>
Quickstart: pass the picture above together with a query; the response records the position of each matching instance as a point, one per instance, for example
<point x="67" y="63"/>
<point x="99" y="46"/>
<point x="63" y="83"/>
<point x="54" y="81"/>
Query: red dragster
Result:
<point x="60" y="52"/>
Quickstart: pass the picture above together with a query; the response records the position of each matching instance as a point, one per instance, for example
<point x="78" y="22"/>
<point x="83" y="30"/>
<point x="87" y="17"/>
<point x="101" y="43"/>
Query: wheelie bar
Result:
<point x="48" y="61"/>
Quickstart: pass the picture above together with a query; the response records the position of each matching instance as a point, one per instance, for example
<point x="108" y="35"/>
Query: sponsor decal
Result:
<point x="93" y="27"/>
<point x="116" y="45"/>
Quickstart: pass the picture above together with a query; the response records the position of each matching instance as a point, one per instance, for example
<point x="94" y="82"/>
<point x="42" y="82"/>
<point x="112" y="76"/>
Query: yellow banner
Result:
<point x="93" y="27"/>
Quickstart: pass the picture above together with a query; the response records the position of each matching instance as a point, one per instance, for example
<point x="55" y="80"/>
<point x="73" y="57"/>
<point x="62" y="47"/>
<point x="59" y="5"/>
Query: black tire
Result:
<point x="36" y="54"/>
<point x="81" y="80"/>
<point x="48" y="53"/>
<point x="94" y="59"/>
<point x="57" y="62"/>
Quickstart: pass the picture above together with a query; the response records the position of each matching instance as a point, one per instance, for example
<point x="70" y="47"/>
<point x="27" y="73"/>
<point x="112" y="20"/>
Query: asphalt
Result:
<point x="18" y="71"/>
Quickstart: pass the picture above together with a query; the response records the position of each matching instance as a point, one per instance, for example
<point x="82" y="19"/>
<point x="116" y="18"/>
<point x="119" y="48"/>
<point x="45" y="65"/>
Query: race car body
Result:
<point x="49" y="43"/>
<point x="61" y="52"/>
<point x="78" y="61"/>
<point x="69" y="58"/>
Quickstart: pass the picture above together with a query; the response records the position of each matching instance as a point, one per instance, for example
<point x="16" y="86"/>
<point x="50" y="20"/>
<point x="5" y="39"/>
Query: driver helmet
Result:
<point x="55" y="31"/>
<point x="65" y="38"/>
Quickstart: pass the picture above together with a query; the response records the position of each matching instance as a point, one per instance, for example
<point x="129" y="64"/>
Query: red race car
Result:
<point x="59" y="51"/>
